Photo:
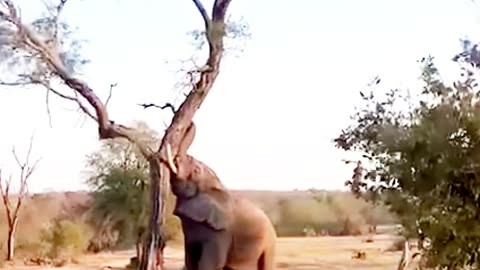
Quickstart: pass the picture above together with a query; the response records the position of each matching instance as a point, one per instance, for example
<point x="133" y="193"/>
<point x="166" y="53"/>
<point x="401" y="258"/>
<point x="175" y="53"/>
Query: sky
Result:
<point x="270" y="119"/>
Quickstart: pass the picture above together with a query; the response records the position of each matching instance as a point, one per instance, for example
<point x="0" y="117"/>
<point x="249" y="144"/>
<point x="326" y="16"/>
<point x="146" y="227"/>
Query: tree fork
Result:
<point x="11" y="239"/>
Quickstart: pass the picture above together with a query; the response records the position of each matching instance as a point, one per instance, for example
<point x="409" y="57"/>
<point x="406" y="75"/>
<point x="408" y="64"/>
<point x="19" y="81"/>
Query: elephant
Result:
<point x="221" y="229"/>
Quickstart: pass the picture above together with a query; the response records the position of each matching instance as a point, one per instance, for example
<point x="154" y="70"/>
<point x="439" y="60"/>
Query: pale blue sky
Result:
<point x="269" y="121"/>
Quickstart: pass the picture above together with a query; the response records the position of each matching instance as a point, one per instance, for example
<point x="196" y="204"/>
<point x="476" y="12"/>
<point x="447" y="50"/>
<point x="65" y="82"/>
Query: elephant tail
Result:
<point x="267" y="261"/>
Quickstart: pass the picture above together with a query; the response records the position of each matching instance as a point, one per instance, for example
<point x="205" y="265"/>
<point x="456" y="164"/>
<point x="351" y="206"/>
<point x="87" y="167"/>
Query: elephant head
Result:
<point x="201" y="196"/>
<point x="191" y="172"/>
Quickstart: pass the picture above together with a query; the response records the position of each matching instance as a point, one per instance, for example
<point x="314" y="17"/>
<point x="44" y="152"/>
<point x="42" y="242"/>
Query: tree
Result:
<point x="421" y="153"/>
<point x="119" y="179"/>
<point x="12" y="209"/>
<point x="121" y="202"/>
<point x="42" y="55"/>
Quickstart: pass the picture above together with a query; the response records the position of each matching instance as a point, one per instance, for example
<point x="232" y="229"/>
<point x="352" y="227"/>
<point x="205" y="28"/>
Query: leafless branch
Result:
<point x="167" y="105"/>
<point x="201" y="9"/>
<point x="82" y="119"/>
<point x="26" y="170"/>
<point x="47" y="105"/>
<point x="165" y="124"/>
<point x="206" y="76"/>
<point x="187" y="75"/>
<point x="107" y="128"/>
<point x="110" y="93"/>
<point x="55" y="13"/>
<point x="5" y="192"/>
<point x="13" y="84"/>
<point x="59" y="10"/>
<point x="75" y="98"/>
<point x="84" y="109"/>
<point x="11" y="14"/>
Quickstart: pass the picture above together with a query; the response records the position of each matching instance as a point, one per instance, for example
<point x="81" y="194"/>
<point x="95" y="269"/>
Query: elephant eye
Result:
<point x="197" y="169"/>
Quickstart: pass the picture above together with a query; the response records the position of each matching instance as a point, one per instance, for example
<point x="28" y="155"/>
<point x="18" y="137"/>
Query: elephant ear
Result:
<point x="213" y="209"/>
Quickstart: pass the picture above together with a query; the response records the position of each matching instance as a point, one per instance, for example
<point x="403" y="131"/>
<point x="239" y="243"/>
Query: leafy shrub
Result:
<point x="426" y="161"/>
<point x="173" y="228"/>
<point x="331" y="213"/>
<point x="65" y="238"/>
<point x="102" y="239"/>
<point x="30" y="248"/>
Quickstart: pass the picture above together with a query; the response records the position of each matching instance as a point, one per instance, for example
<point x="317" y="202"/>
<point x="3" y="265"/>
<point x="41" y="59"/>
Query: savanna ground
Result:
<point x="300" y="253"/>
<point x="340" y="219"/>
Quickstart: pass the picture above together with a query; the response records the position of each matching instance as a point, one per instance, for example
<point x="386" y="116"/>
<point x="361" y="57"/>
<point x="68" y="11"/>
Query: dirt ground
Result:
<point x="332" y="253"/>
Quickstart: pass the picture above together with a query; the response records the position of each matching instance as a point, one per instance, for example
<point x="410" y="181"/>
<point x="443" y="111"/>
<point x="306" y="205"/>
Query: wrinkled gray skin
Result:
<point x="222" y="230"/>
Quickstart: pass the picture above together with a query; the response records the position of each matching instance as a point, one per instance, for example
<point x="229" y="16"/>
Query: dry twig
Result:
<point x="110" y="93"/>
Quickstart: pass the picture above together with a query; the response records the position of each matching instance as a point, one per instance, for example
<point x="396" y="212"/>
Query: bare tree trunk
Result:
<point x="138" y="246"/>
<point x="11" y="240"/>
<point x="159" y="172"/>
<point x="148" y="260"/>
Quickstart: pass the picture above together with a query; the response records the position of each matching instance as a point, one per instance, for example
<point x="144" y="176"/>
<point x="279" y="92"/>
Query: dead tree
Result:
<point x="13" y="209"/>
<point x="48" y="55"/>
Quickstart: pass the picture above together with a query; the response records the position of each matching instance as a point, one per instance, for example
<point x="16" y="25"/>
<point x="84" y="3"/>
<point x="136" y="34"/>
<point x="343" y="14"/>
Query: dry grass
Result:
<point x="293" y="253"/>
<point x="335" y="253"/>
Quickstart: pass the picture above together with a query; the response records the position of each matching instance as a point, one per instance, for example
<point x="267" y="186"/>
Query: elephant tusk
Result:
<point x="170" y="159"/>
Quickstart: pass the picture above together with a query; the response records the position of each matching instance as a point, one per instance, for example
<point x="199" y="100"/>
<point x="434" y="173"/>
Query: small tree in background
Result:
<point x="119" y="180"/>
<point x="13" y="206"/>
<point x="422" y="153"/>
<point x="64" y="239"/>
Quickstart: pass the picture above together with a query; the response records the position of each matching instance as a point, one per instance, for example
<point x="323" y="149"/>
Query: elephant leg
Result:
<point x="214" y="255"/>
<point x="192" y="255"/>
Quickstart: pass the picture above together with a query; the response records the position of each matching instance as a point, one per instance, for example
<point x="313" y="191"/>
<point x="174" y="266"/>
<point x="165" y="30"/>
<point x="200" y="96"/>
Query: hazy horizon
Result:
<point x="269" y="122"/>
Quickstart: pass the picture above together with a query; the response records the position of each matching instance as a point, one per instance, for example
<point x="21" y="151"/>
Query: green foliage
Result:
<point x="235" y="34"/>
<point x="173" y="227"/>
<point x="121" y="203"/>
<point x="64" y="238"/>
<point x="119" y="177"/>
<point x="332" y="214"/>
<point x="120" y="153"/>
<point x="23" y="65"/>
<point x="423" y="157"/>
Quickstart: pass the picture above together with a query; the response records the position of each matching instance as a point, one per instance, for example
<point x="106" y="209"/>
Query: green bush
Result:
<point x="332" y="213"/>
<point x="173" y="228"/>
<point x="297" y="215"/>
<point x="30" y="248"/>
<point x="65" y="238"/>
